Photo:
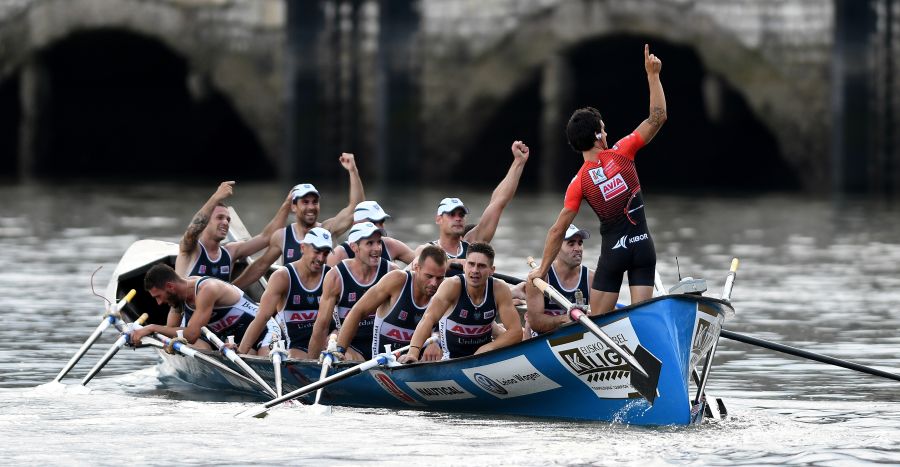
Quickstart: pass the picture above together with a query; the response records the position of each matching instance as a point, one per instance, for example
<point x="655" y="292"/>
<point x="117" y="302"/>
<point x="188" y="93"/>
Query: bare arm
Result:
<point x="331" y="289"/>
<point x="272" y="298"/>
<point x="440" y="304"/>
<point x="649" y="127"/>
<point x="343" y="220"/>
<point x="502" y="195"/>
<point x="537" y="319"/>
<point x="399" y="250"/>
<point x="370" y="301"/>
<point x="252" y="246"/>
<point x="201" y="219"/>
<point x="508" y="316"/>
<point x="553" y="242"/>
<point x="337" y="255"/>
<point x="173" y="319"/>
<point x="261" y="265"/>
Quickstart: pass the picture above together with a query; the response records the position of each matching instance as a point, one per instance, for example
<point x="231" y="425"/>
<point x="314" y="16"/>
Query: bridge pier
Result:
<point x="34" y="99"/>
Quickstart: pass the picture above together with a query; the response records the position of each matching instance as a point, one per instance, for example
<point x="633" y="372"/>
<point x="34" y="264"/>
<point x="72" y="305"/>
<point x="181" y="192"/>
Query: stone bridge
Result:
<point x="757" y="89"/>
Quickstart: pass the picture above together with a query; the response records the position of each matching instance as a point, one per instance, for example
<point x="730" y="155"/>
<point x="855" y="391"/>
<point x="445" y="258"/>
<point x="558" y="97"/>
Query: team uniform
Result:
<point x="612" y="189"/>
<point x="350" y="254"/>
<point x="397" y="327"/>
<point x="460" y="254"/>
<point x="204" y="266"/>
<point x="291" y="251"/>
<point x="468" y="326"/>
<point x="351" y="292"/>
<point x="300" y="309"/>
<point x="551" y="308"/>
<point x="234" y="319"/>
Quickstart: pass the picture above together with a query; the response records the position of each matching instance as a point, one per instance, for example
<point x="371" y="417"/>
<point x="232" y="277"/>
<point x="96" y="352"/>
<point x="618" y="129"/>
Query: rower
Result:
<point x="451" y="212"/>
<point x="285" y="242"/>
<point x="465" y="307"/>
<point x="293" y="292"/>
<point x="391" y="248"/>
<point x="568" y="276"/>
<point x="400" y="299"/>
<point x="207" y="301"/>
<point x="345" y="285"/>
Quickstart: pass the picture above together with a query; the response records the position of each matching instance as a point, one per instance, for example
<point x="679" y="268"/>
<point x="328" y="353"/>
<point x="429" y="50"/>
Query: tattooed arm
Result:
<point x="201" y="219"/>
<point x="649" y="127"/>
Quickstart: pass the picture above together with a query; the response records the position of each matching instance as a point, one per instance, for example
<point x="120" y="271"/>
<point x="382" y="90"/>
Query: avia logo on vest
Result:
<point x="613" y="187"/>
<point x="400" y="335"/>
<point x="597" y="175"/>
<point x="302" y="316"/>
<point x="464" y="330"/>
<point x="223" y="324"/>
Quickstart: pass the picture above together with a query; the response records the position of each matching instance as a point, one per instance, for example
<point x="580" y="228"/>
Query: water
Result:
<point x="815" y="274"/>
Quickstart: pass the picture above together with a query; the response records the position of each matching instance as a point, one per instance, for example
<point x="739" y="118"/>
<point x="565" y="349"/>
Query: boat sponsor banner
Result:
<point x="510" y="378"/>
<point x="444" y="390"/>
<point x="391" y="387"/>
<point x="596" y="365"/>
<point x="707" y="326"/>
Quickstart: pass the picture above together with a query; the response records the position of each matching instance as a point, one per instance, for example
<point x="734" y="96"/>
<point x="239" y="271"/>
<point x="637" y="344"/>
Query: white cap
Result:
<point x="363" y="230"/>
<point x="449" y="204"/>
<point x="572" y="231"/>
<point x="318" y="237"/>
<point x="369" y="211"/>
<point x="302" y="189"/>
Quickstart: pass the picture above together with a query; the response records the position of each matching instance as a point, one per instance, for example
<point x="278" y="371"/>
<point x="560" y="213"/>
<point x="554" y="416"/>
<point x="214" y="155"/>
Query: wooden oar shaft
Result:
<point x="807" y="354"/>
<point x="237" y="360"/>
<point x="108" y="320"/>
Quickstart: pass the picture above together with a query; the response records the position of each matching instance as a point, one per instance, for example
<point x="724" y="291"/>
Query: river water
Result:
<point x="821" y="275"/>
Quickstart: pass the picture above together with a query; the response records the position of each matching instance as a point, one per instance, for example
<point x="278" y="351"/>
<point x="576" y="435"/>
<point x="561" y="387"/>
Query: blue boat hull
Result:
<point x="566" y="374"/>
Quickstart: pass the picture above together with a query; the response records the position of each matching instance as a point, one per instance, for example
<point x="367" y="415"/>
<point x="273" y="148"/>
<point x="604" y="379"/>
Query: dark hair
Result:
<point x="435" y="253"/>
<point x="483" y="248"/>
<point x="582" y="129"/>
<point x="468" y="227"/>
<point x="158" y="275"/>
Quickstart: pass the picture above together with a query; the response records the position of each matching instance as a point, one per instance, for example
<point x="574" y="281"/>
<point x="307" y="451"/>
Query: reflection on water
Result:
<point x="817" y="275"/>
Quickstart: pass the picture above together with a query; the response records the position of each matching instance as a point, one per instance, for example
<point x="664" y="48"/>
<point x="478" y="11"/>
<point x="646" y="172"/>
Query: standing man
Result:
<point x="345" y="285"/>
<point x="294" y="291"/>
<point x="400" y="299"/>
<point x="201" y="252"/>
<point x="391" y="248"/>
<point x="465" y="307"/>
<point x="609" y="182"/>
<point x="207" y="301"/>
<point x="285" y="242"/>
<point x="568" y="276"/>
<point x="451" y="212"/>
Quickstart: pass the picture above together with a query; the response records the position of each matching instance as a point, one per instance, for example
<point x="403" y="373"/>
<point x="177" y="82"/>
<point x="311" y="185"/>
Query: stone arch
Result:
<point x="478" y="88"/>
<point x="218" y="59"/>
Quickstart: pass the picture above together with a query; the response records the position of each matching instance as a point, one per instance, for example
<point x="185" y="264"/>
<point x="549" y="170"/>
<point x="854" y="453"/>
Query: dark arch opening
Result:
<point x="693" y="151"/>
<point x="10" y="118"/>
<point x="119" y="103"/>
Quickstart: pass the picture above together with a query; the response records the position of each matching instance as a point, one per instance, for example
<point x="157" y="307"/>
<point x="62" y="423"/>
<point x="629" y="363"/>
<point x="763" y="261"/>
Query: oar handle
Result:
<point x="729" y="281"/>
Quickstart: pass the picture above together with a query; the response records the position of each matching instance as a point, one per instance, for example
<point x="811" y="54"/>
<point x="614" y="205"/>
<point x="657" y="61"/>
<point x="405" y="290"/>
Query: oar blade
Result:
<point x="646" y="385"/>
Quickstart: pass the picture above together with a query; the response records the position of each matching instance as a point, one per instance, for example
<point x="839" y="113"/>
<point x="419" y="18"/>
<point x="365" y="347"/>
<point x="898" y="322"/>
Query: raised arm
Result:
<point x="343" y="220"/>
<point x="331" y="290"/>
<point x="399" y="250"/>
<point x="261" y="265"/>
<point x="502" y="195"/>
<point x="252" y="246"/>
<point x="273" y="297"/>
<point x="201" y="219"/>
<point x="508" y="316"/>
<point x="649" y="127"/>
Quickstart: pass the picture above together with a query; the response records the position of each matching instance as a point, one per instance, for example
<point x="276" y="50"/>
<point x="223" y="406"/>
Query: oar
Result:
<point x="110" y="318"/>
<point x="261" y="410"/>
<point x="726" y="295"/>
<point x="237" y="360"/>
<point x="120" y="342"/>
<point x="278" y="355"/>
<point x="326" y="364"/>
<point x="645" y="367"/>
<point x="807" y="354"/>
<point x="187" y="351"/>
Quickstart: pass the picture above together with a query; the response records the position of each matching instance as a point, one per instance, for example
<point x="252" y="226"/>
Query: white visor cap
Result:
<point x="301" y="190"/>
<point x="572" y="231"/>
<point x="449" y="204"/>
<point x="362" y="231"/>
<point x="319" y="238"/>
<point x="369" y="211"/>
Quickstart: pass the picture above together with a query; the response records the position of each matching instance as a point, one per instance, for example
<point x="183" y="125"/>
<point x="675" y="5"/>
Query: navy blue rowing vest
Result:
<point x="220" y="269"/>
<point x="552" y="308"/>
<point x="351" y="292"/>
<point x="468" y="326"/>
<point x="228" y="320"/>
<point x="301" y="309"/>
<point x="397" y="327"/>
<point x="384" y="251"/>
<point x="291" y="251"/>
<point x="461" y="254"/>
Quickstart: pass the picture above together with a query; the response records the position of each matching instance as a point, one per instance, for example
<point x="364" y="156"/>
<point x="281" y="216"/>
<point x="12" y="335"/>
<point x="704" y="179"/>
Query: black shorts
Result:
<point x="628" y="250"/>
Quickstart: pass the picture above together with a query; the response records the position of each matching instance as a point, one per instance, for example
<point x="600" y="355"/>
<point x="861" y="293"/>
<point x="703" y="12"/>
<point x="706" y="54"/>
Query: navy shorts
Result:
<point x="629" y="250"/>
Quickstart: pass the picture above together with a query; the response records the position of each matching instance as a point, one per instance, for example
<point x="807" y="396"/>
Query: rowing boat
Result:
<point x="568" y="373"/>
